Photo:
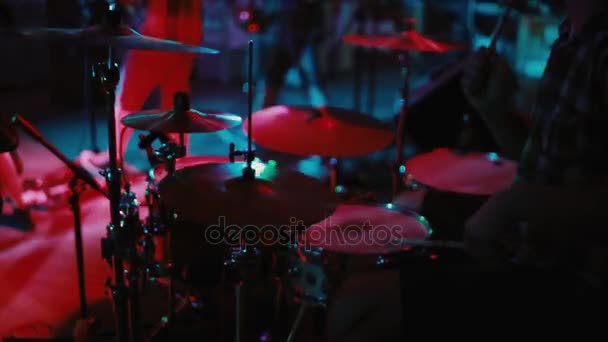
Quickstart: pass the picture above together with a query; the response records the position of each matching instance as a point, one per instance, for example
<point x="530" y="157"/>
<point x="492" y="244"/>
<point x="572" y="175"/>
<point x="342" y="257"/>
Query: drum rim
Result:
<point x="426" y="225"/>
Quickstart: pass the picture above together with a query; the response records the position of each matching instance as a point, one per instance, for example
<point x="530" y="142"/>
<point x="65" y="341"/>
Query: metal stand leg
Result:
<point x="297" y="321"/>
<point x="117" y="239"/>
<point x="238" y="294"/>
<point x="334" y="165"/>
<point x="75" y="205"/>
<point x="396" y="172"/>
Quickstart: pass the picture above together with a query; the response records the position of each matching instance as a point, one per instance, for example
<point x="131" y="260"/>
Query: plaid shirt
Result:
<point x="568" y="145"/>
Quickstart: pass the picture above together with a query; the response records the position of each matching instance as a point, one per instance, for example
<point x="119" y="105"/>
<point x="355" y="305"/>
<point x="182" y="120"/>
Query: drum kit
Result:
<point x="277" y="212"/>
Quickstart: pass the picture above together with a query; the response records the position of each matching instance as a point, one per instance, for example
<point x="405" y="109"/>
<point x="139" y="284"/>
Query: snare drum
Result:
<point x="356" y="238"/>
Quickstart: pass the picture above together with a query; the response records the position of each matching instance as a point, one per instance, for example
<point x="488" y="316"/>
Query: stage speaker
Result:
<point x="441" y="116"/>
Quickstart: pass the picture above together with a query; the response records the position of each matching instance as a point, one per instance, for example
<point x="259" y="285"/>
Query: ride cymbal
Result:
<point x="328" y="132"/>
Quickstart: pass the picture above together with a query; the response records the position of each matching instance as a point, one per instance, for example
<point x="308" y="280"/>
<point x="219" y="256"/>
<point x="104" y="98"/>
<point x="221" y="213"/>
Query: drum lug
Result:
<point x="293" y="271"/>
<point x="411" y="183"/>
<point x="381" y="261"/>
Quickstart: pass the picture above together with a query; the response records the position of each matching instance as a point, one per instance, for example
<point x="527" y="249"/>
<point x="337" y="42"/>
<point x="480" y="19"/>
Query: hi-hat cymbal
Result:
<point x="188" y="121"/>
<point x="9" y="138"/>
<point x="123" y="37"/>
<point x="210" y="193"/>
<point x="329" y="132"/>
<point x="404" y="41"/>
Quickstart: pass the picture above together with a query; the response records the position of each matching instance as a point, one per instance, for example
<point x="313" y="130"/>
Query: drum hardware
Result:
<point x="296" y="323"/>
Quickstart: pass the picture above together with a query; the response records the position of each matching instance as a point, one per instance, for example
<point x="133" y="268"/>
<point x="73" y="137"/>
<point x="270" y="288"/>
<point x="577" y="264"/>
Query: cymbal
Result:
<point x="328" y="132"/>
<point x="189" y="121"/>
<point x="404" y="41"/>
<point x="468" y="173"/>
<point x="207" y="193"/>
<point x="123" y="37"/>
<point x="9" y="138"/>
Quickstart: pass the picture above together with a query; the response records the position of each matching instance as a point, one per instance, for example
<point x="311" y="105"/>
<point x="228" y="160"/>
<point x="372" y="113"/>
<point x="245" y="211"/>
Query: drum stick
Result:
<point x="430" y="244"/>
<point x="500" y="27"/>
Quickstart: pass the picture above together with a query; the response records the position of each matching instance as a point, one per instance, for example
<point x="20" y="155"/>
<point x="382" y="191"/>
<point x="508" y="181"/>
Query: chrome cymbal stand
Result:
<point x="116" y="244"/>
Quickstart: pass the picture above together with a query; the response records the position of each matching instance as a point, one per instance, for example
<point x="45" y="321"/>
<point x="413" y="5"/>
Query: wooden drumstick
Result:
<point x="500" y="28"/>
<point x="430" y="243"/>
<point x="481" y="79"/>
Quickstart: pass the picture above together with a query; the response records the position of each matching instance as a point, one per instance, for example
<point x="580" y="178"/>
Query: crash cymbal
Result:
<point x="9" y="138"/>
<point x="210" y="193"/>
<point x="411" y="41"/>
<point x="123" y="37"/>
<point x="329" y="132"/>
<point x="188" y="121"/>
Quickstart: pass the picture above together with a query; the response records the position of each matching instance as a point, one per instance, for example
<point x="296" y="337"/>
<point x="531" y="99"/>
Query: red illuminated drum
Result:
<point x="356" y="238"/>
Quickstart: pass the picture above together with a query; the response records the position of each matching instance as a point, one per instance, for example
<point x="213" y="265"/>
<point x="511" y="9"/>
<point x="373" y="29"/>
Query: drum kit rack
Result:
<point x="235" y="190"/>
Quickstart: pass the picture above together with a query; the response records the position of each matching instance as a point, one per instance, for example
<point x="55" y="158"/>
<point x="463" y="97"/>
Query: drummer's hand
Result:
<point x="489" y="82"/>
<point x="486" y="232"/>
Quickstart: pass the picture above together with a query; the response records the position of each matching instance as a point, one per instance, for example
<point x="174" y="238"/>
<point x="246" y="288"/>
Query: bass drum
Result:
<point x="356" y="238"/>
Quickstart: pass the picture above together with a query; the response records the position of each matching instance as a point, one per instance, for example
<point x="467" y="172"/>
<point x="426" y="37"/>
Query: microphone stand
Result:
<point x="80" y="174"/>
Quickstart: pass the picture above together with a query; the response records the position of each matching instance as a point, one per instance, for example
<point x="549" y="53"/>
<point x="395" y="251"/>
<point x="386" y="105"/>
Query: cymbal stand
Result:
<point x="116" y="242"/>
<point x="248" y="174"/>
<point x="404" y="61"/>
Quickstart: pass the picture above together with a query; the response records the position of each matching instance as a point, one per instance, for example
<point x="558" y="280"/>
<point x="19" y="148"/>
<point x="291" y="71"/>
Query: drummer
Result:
<point x="553" y="212"/>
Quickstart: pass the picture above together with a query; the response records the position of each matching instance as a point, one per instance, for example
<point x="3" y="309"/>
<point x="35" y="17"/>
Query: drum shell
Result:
<point x="316" y="273"/>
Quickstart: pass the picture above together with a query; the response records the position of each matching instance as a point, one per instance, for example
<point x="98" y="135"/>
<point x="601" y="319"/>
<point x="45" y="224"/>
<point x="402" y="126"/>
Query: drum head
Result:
<point x="366" y="230"/>
<point x="481" y="174"/>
